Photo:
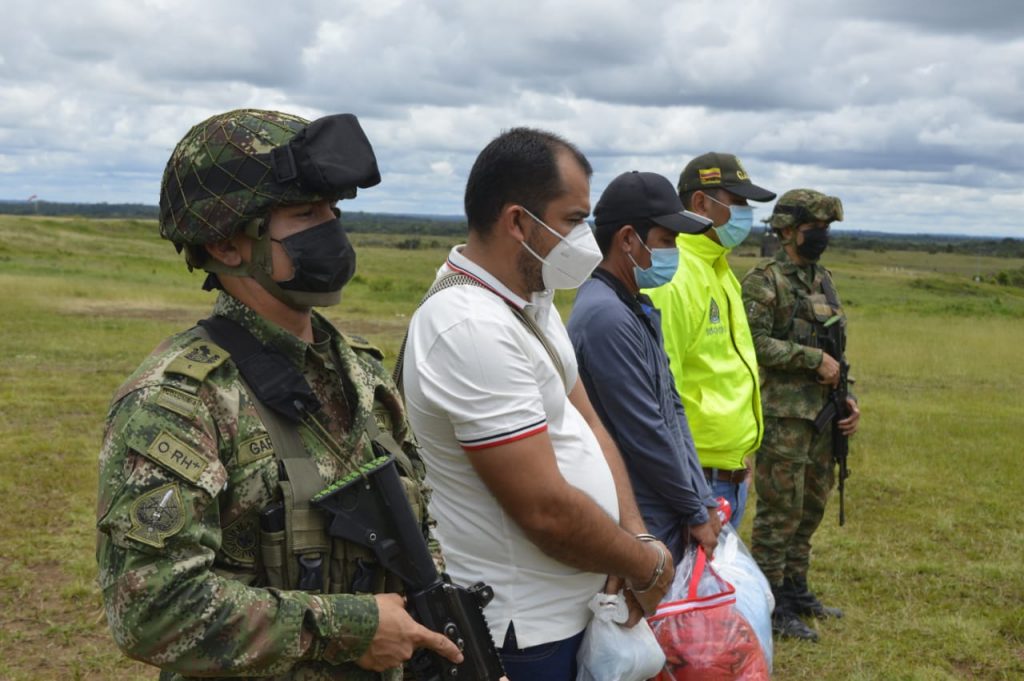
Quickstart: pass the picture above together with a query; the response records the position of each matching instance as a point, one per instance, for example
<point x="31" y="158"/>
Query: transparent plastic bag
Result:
<point x="754" y="599"/>
<point x="613" y="652"/>
<point x="703" y="635"/>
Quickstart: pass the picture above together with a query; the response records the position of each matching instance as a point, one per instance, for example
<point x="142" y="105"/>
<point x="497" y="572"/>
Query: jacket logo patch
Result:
<point x="157" y="515"/>
<point x="177" y="401"/>
<point x="714" y="315"/>
<point x="255" y="448"/>
<point x="174" y="454"/>
<point x="238" y="540"/>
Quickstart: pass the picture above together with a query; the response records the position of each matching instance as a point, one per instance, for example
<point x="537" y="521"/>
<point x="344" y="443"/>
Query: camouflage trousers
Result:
<point x="793" y="478"/>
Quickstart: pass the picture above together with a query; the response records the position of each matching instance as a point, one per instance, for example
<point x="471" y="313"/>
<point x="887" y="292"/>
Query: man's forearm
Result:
<point x="574" y="530"/>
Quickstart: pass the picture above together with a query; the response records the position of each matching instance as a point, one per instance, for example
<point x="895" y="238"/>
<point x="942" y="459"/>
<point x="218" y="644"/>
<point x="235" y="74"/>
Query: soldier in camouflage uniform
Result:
<point x="210" y="560"/>
<point x="787" y="300"/>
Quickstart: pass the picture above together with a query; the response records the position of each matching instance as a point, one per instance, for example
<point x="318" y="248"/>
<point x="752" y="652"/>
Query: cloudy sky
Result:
<point x="912" y="111"/>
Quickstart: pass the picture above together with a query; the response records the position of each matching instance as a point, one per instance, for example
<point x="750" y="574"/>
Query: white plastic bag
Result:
<point x="613" y="652"/>
<point x="754" y="599"/>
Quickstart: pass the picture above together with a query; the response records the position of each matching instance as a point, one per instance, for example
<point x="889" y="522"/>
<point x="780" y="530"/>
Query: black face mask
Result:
<point x="323" y="258"/>
<point x="815" y="243"/>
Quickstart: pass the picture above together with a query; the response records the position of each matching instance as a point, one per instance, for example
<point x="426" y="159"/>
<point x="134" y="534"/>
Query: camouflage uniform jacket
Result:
<point x="786" y="304"/>
<point x="185" y="468"/>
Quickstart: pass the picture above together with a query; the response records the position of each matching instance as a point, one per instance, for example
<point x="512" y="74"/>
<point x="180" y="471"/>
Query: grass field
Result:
<point x="928" y="568"/>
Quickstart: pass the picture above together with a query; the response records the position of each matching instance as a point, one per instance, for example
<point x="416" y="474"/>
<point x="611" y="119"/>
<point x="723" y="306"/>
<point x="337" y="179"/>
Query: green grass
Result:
<point x="928" y="567"/>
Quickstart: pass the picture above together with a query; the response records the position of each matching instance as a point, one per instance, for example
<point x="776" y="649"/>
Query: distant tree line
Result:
<point x="82" y="210"/>
<point x="929" y="243"/>
<point x="432" y="225"/>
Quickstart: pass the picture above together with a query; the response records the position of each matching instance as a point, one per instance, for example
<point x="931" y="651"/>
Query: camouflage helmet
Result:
<point x="233" y="168"/>
<point x="801" y="206"/>
<point x="203" y="196"/>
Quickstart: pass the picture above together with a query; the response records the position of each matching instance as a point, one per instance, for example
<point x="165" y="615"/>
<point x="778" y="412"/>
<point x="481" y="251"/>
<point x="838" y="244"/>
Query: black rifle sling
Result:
<point x="281" y="396"/>
<point x="274" y="380"/>
<point x="458" y="279"/>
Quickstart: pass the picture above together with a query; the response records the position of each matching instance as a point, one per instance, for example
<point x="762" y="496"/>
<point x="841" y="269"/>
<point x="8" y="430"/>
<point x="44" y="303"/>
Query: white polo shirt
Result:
<point x="474" y="378"/>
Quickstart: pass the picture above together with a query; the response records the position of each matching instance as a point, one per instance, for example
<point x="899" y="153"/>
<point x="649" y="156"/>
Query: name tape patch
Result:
<point x="255" y="448"/>
<point x="177" y="401"/>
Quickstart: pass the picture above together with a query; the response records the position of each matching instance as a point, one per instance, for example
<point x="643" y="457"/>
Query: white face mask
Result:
<point x="573" y="258"/>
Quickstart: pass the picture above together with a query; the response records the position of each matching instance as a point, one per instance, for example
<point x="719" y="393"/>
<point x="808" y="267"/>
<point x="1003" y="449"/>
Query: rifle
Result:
<point x="369" y="508"/>
<point x="835" y="410"/>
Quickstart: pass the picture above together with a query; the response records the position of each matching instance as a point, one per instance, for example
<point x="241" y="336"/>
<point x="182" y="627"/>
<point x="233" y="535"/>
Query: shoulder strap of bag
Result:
<point x="459" y="279"/>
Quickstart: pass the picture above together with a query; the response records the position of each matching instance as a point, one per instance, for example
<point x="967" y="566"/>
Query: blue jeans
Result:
<point x="554" y="661"/>
<point x="736" y="495"/>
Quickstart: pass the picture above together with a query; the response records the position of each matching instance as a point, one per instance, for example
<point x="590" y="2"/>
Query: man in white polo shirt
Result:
<point x="530" y="494"/>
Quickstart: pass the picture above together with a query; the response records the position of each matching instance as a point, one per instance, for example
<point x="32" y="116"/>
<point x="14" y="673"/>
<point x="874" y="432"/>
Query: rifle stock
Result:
<point x="370" y="508"/>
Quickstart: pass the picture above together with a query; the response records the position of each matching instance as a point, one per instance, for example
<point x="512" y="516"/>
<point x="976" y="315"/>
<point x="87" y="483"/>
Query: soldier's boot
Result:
<point x="804" y="602"/>
<point x="785" y="622"/>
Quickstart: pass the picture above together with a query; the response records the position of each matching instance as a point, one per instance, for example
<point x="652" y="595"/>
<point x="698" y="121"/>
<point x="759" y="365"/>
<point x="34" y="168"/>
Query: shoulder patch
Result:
<point x="238" y="540"/>
<point x="177" y="401"/>
<point x="361" y="344"/>
<point x="170" y="452"/>
<point x="197" y="359"/>
<point x="157" y="515"/>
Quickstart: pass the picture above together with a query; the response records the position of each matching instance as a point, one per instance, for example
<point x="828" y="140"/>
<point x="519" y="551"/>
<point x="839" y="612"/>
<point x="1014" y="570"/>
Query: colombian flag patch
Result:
<point x="710" y="175"/>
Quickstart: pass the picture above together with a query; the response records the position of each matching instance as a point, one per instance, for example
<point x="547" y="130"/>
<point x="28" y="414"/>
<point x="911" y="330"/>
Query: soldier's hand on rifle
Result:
<point x="828" y="370"/>
<point x="398" y="635"/>
<point x="848" y="426"/>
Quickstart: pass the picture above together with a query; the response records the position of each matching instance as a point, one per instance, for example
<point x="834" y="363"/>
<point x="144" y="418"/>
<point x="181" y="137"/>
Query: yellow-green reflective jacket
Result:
<point x="711" y="353"/>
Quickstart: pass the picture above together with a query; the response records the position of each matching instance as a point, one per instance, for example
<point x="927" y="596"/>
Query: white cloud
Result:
<point x="442" y="168"/>
<point x="912" y="116"/>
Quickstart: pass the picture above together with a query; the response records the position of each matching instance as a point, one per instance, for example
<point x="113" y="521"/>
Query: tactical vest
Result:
<point x="812" y="310"/>
<point x="294" y="550"/>
<point x="799" y="317"/>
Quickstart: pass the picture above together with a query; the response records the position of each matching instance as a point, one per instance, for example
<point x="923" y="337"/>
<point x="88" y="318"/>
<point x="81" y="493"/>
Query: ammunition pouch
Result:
<point x="295" y="550"/>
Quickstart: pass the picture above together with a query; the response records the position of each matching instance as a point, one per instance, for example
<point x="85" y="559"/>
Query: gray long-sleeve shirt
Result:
<point x="619" y="348"/>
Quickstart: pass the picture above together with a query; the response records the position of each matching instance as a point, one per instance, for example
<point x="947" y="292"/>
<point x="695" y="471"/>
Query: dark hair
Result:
<point x="519" y="166"/>
<point x="605" y="233"/>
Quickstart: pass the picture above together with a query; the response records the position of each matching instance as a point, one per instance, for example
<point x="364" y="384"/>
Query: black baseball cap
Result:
<point x="646" y="196"/>
<point x="714" y="170"/>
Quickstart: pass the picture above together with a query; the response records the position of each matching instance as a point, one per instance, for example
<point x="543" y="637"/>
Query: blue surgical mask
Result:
<point x="664" y="263"/>
<point x="733" y="232"/>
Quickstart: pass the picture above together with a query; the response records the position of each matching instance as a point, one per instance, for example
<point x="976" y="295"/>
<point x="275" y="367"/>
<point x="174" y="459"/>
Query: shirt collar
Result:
<point x="269" y="333"/>
<point x="702" y="246"/>
<point x="634" y="303"/>
<point x="463" y="265"/>
<point x="806" y="273"/>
